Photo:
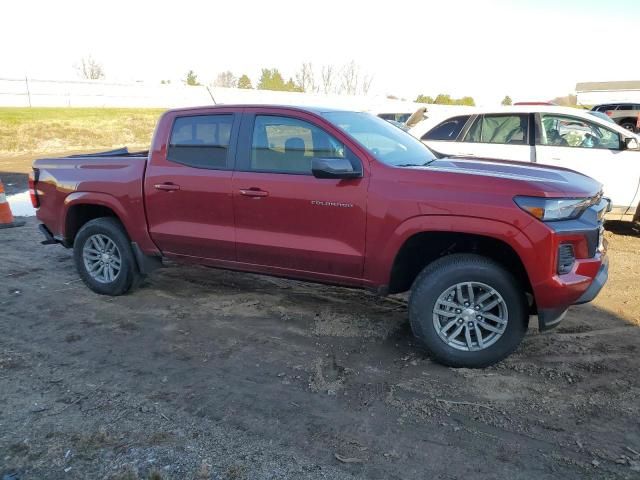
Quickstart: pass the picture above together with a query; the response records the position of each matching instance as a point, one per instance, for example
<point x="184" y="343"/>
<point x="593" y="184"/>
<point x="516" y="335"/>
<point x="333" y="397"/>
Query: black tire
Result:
<point x="128" y="275"/>
<point x="437" y="278"/>
<point x="631" y="126"/>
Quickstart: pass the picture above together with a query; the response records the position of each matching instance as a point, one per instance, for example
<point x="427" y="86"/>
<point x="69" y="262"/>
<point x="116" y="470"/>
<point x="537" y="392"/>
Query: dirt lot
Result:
<point x="211" y="374"/>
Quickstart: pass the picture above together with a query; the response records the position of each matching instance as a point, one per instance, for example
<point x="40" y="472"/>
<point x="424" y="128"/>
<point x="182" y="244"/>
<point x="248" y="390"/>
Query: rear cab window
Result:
<point x="201" y="141"/>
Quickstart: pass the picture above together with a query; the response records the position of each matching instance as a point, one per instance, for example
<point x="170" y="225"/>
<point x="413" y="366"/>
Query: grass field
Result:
<point x="36" y="130"/>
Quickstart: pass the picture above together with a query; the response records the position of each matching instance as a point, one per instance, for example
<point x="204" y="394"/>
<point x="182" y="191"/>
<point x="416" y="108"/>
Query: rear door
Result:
<point x="188" y="186"/>
<point x="501" y="136"/>
<point x="592" y="149"/>
<point x="285" y="217"/>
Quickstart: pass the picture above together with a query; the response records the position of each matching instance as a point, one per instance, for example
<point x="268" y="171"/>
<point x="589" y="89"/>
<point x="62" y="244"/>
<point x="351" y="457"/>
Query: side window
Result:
<point x="396" y="117"/>
<point x="287" y="145"/>
<point x="201" y="141"/>
<point x="503" y="129"/>
<point x="561" y="131"/>
<point x="447" y="130"/>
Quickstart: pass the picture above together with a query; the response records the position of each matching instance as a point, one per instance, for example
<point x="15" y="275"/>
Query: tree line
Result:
<point x="348" y="79"/>
<point x="445" y="99"/>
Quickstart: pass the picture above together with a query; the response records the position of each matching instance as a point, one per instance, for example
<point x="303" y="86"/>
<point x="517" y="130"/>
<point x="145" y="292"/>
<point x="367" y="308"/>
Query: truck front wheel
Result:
<point x="468" y="311"/>
<point x="103" y="257"/>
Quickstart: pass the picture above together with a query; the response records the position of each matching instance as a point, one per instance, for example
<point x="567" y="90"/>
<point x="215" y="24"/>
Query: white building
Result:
<point x="595" y="93"/>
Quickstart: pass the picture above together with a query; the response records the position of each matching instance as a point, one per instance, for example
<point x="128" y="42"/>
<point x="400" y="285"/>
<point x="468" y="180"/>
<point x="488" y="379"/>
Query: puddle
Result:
<point x="20" y="204"/>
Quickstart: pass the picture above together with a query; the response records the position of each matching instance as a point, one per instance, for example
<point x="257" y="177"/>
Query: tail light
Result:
<point x="33" y="192"/>
<point x="608" y="113"/>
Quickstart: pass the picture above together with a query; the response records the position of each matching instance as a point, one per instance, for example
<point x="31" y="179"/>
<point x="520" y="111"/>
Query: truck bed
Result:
<point x="112" y="179"/>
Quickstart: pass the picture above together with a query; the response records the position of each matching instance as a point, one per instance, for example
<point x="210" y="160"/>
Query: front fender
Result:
<point x="378" y="264"/>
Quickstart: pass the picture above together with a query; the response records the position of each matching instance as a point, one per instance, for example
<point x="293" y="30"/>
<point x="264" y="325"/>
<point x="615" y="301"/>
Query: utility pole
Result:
<point x="26" y="81"/>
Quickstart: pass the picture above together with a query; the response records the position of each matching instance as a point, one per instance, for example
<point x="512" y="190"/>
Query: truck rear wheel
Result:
<point x="103" y="257"/>
<point x="468" y="311"/>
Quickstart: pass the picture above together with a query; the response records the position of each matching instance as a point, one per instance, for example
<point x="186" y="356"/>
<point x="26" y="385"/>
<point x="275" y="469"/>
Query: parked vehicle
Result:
<point x="533" y="103"/>
<point x="343" y="198"/>
<point x="558" y="136"/>
<point x="624" y="114"/>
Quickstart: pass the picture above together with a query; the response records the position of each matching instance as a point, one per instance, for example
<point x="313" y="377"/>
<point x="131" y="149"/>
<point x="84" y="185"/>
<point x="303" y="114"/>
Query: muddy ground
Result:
<point x="207" y="374"/>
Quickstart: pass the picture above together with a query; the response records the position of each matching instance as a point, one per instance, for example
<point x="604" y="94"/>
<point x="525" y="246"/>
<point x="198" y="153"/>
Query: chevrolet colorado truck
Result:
<point x="343" y="198"/>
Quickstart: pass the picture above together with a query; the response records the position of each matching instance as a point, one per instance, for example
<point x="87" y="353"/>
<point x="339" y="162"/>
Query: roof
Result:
<point x="608" y="86"/>
<point x="304" y="108"/>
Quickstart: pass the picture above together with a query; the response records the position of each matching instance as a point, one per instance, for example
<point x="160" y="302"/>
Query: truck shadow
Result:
<point x="629" y="229"/>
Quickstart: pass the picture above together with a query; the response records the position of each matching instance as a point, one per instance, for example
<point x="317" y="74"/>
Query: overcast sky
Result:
<point x="532" y="50"/>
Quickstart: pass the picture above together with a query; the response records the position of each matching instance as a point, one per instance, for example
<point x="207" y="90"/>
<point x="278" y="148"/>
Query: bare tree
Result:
<point x="89" y="68"/>
<point x="349" y="78"/>
<point x="328" y="78"/>
<point x="226" y="79"/>
<point x="353" y="81"/>
<point x="367" y="80"/>
<point x="305" y="78"/>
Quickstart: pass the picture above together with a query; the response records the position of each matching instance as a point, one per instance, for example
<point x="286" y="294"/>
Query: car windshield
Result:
<point x="387" y="143"/>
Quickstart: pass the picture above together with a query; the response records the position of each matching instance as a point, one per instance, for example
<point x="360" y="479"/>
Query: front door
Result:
<point x="285" y="217"/>
<point x="188" y="187"/>
<point x="593" y="150"/>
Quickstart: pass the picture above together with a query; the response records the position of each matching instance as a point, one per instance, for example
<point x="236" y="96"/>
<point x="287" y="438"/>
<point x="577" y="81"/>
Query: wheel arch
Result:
<point x="81" y="207"/>
<point x="431" y="237"/>
<point x="632" y="120"/>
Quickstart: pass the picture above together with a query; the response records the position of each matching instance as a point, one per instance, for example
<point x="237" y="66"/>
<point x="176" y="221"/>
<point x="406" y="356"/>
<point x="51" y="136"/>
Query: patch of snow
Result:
<point x="20" y="204"/>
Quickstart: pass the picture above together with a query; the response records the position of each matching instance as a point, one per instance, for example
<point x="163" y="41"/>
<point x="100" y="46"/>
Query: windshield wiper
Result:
<point x="415" y="164"/>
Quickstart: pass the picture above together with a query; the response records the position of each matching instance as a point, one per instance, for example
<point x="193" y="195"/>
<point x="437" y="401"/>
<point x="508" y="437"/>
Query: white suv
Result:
<point x="559" y="136"/>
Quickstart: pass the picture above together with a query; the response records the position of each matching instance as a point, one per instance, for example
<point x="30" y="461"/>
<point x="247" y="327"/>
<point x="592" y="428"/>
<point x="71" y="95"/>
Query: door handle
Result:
<point x="167" y="187"/>
<point x="254" y="192"/>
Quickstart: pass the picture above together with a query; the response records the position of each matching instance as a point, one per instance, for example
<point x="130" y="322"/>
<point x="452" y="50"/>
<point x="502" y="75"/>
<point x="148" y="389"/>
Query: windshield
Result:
<point x="387" y="143"/>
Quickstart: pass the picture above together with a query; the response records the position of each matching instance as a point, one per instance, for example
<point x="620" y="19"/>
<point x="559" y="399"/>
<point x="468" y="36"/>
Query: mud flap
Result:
<point x="146" y="263"/>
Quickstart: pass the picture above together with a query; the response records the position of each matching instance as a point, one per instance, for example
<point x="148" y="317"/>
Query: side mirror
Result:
<point x="333" y="168"/>
<point x="631" y="143"/>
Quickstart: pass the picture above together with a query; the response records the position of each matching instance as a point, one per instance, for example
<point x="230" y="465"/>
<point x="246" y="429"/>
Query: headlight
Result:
<point x="550" y="209"/>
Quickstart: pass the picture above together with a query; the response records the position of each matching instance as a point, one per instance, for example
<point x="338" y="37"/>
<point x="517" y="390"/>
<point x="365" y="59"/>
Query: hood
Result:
<point x="552" y="180"/>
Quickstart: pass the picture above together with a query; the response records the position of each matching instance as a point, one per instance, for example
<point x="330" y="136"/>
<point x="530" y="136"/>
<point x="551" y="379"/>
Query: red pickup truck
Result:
<point x="338" y="197"/>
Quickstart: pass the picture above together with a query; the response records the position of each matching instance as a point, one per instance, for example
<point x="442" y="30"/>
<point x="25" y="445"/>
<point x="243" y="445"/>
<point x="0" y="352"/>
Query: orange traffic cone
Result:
<point x="6" y="217"/>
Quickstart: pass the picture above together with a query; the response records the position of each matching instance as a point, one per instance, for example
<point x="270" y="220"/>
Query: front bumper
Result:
<point x="590" y="271"/>
<point x="551" y="317"/>
<point x="598" y="282"/>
